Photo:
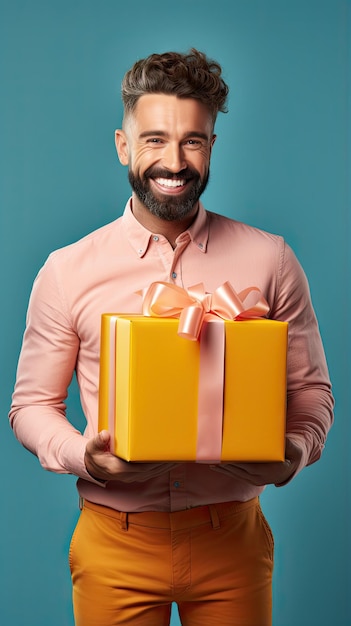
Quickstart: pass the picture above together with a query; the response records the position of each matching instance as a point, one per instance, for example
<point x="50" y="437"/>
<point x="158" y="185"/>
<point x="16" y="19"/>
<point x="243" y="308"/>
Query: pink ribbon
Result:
<point x="201" y="316"/>
<point x="112" y="381"/>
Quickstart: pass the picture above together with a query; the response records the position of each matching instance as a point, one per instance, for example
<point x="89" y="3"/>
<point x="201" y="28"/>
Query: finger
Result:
<point x="142" y="472"/>
<point x="232" y="470"/>
<point x="118" y="469"/>
<point x="158" y="470"/>
<point x="103" y="439"/>
<point x="99" y="443"/>
<point x="289" y="447"/>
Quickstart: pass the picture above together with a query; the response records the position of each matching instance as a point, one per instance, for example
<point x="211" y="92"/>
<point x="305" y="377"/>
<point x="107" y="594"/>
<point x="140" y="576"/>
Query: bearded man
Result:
<point x="151" y="534"/>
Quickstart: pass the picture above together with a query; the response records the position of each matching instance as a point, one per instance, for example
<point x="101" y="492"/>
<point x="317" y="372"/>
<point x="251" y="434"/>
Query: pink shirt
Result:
<point x="102" y="273"/>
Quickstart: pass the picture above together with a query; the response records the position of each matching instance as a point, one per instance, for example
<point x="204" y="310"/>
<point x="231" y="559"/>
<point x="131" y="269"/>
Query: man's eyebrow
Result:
<point x="153" y="133"/>
<point x="197" y="133"/>
<point x="161" y="133"/>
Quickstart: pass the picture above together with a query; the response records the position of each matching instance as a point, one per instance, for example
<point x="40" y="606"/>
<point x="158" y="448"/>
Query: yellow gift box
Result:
<point x="148" y="396"/>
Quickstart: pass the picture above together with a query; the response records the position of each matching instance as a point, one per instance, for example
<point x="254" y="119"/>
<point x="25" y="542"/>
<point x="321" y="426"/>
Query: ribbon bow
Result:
<point x="192" y="307"/>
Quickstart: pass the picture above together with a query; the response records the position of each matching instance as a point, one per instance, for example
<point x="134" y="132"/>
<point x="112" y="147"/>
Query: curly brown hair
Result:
<point x="190" y="75"/>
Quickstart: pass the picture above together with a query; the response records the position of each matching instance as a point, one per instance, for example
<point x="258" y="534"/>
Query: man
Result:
<point x="155" y="533"/>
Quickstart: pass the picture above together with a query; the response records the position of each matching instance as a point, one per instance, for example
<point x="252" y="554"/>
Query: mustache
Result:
<point x="187" y="173"/>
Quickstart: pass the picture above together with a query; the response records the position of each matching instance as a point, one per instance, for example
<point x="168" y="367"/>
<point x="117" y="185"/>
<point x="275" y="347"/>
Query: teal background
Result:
<point x="281" y="162"/>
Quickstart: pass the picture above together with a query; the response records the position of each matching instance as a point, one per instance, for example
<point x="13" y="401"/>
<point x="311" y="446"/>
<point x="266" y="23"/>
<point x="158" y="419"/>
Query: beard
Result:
<point x="171" y="208"/>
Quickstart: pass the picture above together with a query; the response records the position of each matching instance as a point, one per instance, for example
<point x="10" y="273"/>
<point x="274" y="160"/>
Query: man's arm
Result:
<point x="309" y="398"/>
<point x="45" y="369"/>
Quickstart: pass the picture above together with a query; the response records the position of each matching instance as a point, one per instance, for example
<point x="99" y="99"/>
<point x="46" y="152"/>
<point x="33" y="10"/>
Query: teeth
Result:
<point x="170" y="182"/>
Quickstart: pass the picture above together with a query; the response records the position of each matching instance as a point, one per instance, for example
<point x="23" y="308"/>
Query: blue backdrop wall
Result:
<point x="280" y="163"/>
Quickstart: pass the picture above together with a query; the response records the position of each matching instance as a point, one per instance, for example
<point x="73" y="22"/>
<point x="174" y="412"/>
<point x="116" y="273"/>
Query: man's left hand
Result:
<point x="259" y="474"/>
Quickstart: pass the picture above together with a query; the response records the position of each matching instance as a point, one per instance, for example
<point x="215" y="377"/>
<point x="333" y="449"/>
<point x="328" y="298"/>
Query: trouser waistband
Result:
<point x="177" y="520"/>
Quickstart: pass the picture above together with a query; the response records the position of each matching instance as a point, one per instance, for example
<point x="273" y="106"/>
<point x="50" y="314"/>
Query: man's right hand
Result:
<point x="102" y="465"/>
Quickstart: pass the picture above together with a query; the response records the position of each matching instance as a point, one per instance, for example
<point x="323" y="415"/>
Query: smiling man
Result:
<point x="150" y="534"/>
<point x="167" y="143"/>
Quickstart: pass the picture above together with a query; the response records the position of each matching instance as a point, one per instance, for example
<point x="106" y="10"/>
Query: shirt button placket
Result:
<point x="177" y="488"/>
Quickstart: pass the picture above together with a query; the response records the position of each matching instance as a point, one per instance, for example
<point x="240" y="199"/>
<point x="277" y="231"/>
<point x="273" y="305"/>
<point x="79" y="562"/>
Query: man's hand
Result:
<point x="102" y="465"/>
<point x="265" y="473"/>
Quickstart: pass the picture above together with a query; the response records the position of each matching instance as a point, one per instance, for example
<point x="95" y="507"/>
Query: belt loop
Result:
<point x="214" y="516"/>
<point x="124" y="521"/>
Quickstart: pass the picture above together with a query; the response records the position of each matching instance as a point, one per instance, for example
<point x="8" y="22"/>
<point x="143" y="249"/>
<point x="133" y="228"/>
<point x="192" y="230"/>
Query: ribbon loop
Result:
<point x="162" y="299"/>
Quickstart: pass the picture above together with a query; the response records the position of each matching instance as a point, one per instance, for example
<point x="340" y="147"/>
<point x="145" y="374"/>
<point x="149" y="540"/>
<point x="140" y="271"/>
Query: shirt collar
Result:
<point x="139" y="237"/>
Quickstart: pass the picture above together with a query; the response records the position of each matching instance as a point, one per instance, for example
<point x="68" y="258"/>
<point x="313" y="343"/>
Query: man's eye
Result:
<point x="193" y="142"/>
<point x="155" y="140"/>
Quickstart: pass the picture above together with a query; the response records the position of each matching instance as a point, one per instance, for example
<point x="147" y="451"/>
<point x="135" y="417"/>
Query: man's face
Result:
<point x="167" y="144"/>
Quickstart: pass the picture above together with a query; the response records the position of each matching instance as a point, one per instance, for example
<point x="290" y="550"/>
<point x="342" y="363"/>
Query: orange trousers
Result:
<point x="215" y="562"/>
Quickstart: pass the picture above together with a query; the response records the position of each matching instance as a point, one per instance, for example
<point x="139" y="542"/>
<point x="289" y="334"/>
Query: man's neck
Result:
<point x="169" y="229"/>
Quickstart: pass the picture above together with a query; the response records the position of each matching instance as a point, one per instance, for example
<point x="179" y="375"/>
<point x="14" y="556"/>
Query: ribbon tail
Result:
<point x="190" y="322"/>
<point x="112" y="383"/>
<point x="211" y="390"/>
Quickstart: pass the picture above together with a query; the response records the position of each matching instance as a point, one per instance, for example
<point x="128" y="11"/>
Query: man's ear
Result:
<point x="122" y="146"/>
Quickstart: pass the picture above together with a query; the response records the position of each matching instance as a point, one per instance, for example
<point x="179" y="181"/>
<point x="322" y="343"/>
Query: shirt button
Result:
<point x="155" y="238"/>
<point x="176" y="484"/>
<point x="174" y="274"/>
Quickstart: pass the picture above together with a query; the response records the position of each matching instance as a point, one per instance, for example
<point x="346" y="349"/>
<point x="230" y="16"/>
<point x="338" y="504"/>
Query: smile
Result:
<point x="170" y="182"/>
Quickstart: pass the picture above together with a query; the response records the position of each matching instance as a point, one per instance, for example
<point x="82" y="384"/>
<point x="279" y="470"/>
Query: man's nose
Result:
<point x="173" y="157"/>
